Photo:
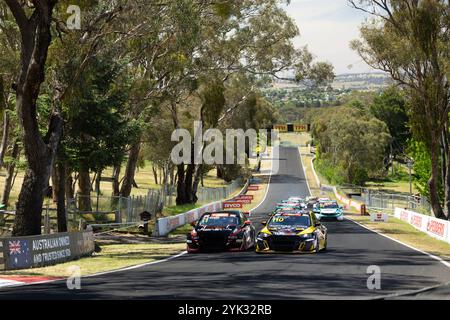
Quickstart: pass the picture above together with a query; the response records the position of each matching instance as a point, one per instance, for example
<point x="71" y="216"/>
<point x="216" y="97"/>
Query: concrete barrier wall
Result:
<point x="349" y="202"/>
<point x="40" y="251"/>
<point x="166" y="225"/>
<point x="434" y="227"/>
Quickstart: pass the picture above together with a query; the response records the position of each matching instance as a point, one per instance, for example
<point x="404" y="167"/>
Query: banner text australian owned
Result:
<point x="51" y="244"/>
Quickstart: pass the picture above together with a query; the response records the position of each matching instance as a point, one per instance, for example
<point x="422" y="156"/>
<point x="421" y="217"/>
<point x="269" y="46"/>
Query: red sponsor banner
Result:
<point x="436" y="227"/>
<point x="244" y="201"/>
<point x="253" y="188"/>
<point x="246" y="197"/>
<point x="232" y="205"/>
<point x="416" y="221"/>
<point x="404" y="215"/>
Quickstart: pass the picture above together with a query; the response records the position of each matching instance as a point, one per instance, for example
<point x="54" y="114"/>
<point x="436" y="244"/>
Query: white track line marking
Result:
<point x="445" y="263"/>
<point x="101" y="273"/>
<point x="268" y="182"/>
<point x="304" y="172"/>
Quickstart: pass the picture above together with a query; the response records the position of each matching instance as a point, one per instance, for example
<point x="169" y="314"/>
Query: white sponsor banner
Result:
<point x="379" y="217"/>
<point x="434" y="227"/>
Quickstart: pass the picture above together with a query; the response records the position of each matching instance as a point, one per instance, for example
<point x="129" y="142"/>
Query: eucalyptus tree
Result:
<point x="248" y="39"/>
<point x="409" y="40"/>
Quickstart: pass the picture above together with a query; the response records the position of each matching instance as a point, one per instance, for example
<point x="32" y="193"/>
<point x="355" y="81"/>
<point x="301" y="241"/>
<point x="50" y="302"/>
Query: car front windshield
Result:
<point x="330" y="206"/>
<point x="219" y="220"/>
<point x="295" y="221"/>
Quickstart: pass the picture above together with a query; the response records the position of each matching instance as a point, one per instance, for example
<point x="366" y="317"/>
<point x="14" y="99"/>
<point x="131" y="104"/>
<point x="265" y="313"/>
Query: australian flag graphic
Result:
<point x="19" y="254"/>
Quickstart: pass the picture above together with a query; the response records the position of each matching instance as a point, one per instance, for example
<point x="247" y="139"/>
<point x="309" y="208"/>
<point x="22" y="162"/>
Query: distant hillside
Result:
<point x="362" y="81"/>
<point x="351" y="81"/>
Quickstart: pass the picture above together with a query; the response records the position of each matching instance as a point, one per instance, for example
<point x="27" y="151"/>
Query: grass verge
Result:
<point x="404" y="232"/>
<point x="112" y="257"/>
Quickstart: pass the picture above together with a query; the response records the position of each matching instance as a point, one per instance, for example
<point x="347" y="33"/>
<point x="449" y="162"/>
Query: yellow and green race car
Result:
<point x="293" y="232"/>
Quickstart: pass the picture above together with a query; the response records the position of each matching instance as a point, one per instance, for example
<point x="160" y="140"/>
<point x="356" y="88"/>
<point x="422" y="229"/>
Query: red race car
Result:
<point x="223" y="230"/>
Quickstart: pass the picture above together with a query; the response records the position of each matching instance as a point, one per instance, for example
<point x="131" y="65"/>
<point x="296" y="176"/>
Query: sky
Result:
<point x="327" y="27"/>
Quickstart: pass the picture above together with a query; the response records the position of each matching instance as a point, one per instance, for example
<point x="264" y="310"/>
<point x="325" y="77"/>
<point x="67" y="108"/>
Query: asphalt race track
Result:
<point x="339" y="273"/>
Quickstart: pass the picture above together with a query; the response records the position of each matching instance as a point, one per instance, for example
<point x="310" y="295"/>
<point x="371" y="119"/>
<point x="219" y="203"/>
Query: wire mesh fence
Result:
<point x="121" y="210"/>
<point x="382" y="200"/>
<point x="113" y="209"/>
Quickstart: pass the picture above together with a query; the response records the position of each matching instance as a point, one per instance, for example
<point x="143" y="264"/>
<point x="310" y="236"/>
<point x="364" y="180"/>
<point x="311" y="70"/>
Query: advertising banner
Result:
<point x="45" y="250"/>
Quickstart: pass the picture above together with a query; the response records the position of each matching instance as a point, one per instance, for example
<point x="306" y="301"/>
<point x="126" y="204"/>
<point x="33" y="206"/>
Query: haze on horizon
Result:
<point x="327" y="27"/>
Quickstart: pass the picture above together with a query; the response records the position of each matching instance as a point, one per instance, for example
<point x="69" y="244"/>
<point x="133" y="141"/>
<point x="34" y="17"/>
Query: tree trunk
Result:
<point x="181" y="193"/>
<point x="61" y="197"/>
<point x="188" y="181"/>
<point x="5" y="137"/>
<point x="39" y="151"/>
<point x="10" y="174"/>
<point x="116" y="183"/>
<point x="55" y="184"/>
<point x="197" y="178"/>
<point x="84" y="192"/>
<point x="433" y="182"/>
<point x="220" y="173"/>
<point x="3" y="108"/>
<point x="130" y="170"/>
<point x="155" y="174"/>
<point x="70" y="192"/>
<point x="98" y="182"/>
<point x="446" y="139"/>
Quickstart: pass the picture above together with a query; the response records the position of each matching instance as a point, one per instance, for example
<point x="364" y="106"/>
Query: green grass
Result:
<point x="111" y="257"/>
<point x="181" y="231"/>
<point x="174" y="210"/>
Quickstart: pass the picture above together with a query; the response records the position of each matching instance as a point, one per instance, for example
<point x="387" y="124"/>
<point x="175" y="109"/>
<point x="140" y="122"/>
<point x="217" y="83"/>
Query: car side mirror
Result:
<point x="264" y="223"/>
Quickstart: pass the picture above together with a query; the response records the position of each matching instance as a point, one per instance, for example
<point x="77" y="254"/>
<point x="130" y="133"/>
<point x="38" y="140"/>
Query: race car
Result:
<point x="288" y="204"/>
<point x="318" y="204"/>
<point x="284" y="210"/>
<point x="330" y="210"/>
<point x="297" y="232"/>
<point x="223" y="230"/>
<point x="299" y="200"/>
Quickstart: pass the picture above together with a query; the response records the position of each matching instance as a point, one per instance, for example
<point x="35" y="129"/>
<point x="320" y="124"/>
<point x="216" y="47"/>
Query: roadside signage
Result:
<point x="246" y="197"/>
<point x="300" y="128"/>
<point x="379" y="217"/>
<point x="253" y="188"/>
<point x="232" y="205"/>
<point x="281" y="127"/>
<point x="244" y="201"/>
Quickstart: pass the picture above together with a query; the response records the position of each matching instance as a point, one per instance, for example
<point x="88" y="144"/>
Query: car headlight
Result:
<point x="307" y="236"/>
